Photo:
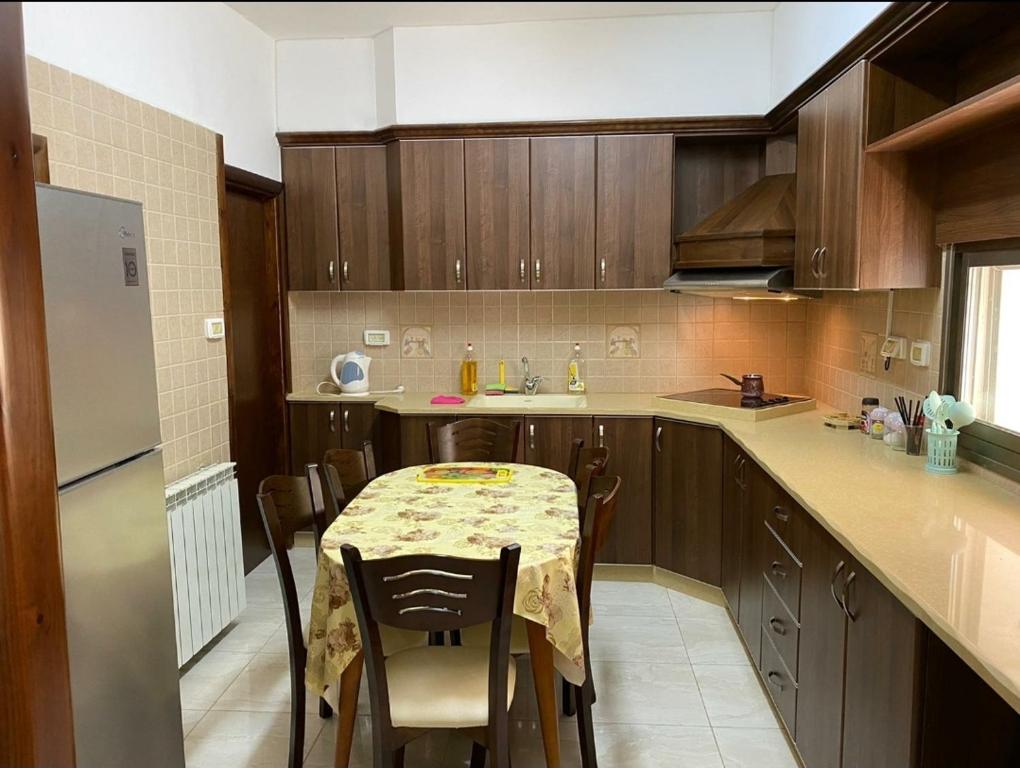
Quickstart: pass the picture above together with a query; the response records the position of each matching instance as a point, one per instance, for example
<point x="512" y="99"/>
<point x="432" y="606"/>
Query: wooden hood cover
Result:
<point x="753" y="229"/>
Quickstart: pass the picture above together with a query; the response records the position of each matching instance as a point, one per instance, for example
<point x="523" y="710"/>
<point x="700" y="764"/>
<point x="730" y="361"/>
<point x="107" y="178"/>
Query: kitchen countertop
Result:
<point x="947" y="546"/>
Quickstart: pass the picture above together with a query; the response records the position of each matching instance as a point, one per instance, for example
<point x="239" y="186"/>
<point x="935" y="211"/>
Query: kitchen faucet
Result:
<point x="531" y="383"/>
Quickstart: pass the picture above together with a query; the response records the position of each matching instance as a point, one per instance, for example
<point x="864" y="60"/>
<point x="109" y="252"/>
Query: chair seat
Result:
<point x="442" y="687"/>
<point x="480" y="635"/>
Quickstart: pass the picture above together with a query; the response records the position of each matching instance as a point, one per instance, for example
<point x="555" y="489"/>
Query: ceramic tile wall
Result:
<point x="683" y="342"/>
<point x="832" y="355"/>
<point x="102" y="141"/>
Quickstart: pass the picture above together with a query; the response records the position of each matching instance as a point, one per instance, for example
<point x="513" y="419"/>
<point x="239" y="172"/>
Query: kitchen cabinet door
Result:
<point x="314" y="429"/>
<point x="810" y="191"/>
<point x="358" y="423"/>
<point x="498" y="216"/>
<point x="547" y="440"/>
<point x="884" y="675"/>
<point x="310" y="217"/>
<point x="688" y="499"/>
<point x="508" y="421"/>
<point x="763" y="495"/>
<point x="414" y="447"/>
<point x="634" y="211"/>
<point x="734" y="501"/>
<point x="363" y="218"/>
<point x="629" y="441"/>
<point x="563" y="212"/>
<point x="822" y="650"/>
<point x="427" y="200"/>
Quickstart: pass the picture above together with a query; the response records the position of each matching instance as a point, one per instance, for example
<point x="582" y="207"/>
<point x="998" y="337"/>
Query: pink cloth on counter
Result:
<point x="447" y="400"/>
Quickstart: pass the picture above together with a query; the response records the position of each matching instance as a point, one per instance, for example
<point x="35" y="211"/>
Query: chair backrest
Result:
<point x="347" y="472"/>
<point x="581" y="457"/>
<point x="473" y="440"/>
<point x="598" y="517"/>
<point x="585" y="475"/>
<point x="435" y="594"/>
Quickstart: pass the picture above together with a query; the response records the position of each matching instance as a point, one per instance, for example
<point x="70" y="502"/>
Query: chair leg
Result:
<point x="583" y="698"/>
<point x="325" y="710"/>
<point x="477" y="755"/>
<point x="569" y="709"/>
<point x="295" y="757"/>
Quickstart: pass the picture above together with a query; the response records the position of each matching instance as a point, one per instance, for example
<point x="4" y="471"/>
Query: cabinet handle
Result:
<point x="814" y="264"/>
<point x="456" y="270"/>
<point x="742" y="472"/>
<point x="781" y="515"/>
<point x="832" y="583"/>
<point x="776" y="679"/>
<point x="531" y="436"/>
<point x="777" y="625"/>
<point x="347" y="419"/>
<point x="658" y="439"/>
<point x="346" y="272"/>
<point x="332" y="420"/>
<point x="822" y="271"/>
<point x="602" y="270"/>
<point x="602" y="436"/>
<point x="332" y="271"/>
<point x="538" y="270"/>
<point x="777" y="569"/>
<point x="523" y="272"/>
<point x="845" y="598"/>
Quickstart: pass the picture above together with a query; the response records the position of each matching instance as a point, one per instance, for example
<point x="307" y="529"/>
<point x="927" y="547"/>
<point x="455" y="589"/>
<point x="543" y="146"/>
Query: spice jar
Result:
<point x="868" y="404"/>
<point x="876" y="422"/>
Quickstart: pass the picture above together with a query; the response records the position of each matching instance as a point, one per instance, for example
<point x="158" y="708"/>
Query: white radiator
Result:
<point x="205" y="556"/>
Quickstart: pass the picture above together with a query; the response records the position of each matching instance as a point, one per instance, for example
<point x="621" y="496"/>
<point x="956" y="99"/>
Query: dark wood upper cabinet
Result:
<point x="864" y="221"/>
<point x="497" y="211"/>
<point x="314" y="429"/>
<point x="688" y="499"/>
<point x="547" y="440"/>
<point x="563" y="212"/>
<point x="310" y="211"/>
<point x="363" y="218"/>
<point x="734" y="504"/>
<point x="633" y="211"/>
<point x="426" y="193"/>
<point x="629" y="441"/>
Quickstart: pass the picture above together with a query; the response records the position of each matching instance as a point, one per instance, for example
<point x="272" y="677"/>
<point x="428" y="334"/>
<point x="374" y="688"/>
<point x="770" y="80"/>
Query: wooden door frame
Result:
<point x="36" y="725"/>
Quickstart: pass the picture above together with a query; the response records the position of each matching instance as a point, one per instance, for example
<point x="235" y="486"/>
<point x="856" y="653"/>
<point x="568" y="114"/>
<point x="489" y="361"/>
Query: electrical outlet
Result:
<point x="869" y="352"/>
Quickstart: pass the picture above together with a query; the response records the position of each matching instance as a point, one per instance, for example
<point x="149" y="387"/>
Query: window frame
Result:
<point x="995" y="448"/>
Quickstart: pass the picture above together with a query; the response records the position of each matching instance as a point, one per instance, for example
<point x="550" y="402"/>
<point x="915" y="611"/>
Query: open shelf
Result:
<point x="996" y="105"/>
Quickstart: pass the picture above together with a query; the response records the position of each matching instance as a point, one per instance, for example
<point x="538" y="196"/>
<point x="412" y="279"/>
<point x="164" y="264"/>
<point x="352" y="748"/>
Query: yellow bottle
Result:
<point x="575" y="382"/>
<point x="469" y="373"/>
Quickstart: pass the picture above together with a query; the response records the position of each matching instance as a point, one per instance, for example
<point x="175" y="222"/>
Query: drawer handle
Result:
<point x="456" y="270"/>
<point x="777" y="680"/>
<point x="347" y="419"/>
<point x="523" y="273"/>
<point x="531" y="436"/>
<point x="332" y="420"/>
<point x="332" y="271"/>
<point x="346" y="271"/>
<point x="777" y="569"/>
<point x="538" y="270"/>
<point x="602" y="269"/>
<point x="658" y="439"/>
<point x="832" y="584"/>
<point x="777" y="625"/>
<point x="602" y="436"/>
<point x="846" y="596"/>
<point x="781" y="515"/>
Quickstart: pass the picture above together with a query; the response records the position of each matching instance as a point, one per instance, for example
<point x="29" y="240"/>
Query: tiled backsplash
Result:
<point x="832" y="357"/>
<point x="681" y="342"/>
<point x="102" y="141"/>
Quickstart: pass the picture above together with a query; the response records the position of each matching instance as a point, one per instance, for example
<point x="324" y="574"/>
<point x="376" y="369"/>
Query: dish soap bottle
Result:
<point x="575" y="382"/>
<point x="469" y="372"/>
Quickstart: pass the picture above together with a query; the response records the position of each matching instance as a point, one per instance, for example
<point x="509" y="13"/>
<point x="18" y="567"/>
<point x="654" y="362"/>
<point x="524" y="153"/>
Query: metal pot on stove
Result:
<point x="752" y="385"/>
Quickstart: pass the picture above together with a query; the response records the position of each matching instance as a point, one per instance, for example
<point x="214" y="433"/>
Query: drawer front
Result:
<point x="779" y="626"/>
<point x="782" y="571"/>
<point x="780" y="683"/>
<point x="786" y="520"/>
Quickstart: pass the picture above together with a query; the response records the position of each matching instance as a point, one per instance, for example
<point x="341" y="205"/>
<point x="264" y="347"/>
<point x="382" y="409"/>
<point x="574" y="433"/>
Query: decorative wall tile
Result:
<point x="416" y="342"/>
<point x="103" y="141"/>
<point x="624" y="341"/>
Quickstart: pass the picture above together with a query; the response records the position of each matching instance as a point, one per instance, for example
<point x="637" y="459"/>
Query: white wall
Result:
<point x="805" y="35"/>
<point x="201" y="61"/>
<point x="323" y="84"/>
<point x="385" y="84"/>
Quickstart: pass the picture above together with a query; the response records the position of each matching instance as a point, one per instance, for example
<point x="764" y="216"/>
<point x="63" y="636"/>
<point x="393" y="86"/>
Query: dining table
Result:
<point x="405" y="513"/>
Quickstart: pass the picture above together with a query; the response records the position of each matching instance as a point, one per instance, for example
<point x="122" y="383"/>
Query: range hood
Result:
<point x="744" y="249"/>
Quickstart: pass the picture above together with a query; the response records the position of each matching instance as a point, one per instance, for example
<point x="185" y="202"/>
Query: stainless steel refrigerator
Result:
<point x="125" y="691"/>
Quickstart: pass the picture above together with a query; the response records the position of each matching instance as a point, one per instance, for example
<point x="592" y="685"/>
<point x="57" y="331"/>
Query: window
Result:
<point x="982" y="351"/>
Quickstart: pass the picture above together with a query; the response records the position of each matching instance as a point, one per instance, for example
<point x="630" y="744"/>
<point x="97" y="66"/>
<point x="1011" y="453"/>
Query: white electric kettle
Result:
<point x="349" y="371"/>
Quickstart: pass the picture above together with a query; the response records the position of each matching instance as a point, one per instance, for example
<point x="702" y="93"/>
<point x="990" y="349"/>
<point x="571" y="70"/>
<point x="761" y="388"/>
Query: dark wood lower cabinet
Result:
<point x="629" y="441"/>
<point x="763" y="496"/>
<point x="734" y="500"/>
<point x="314" y="429"/>
<point x="688" y="499"/>
<point x="358" y="422"/>
<point x="547" y="440"/>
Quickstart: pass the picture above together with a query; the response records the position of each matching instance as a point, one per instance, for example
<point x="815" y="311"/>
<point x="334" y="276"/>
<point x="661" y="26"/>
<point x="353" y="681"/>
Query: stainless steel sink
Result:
<point x="512" y="402"/>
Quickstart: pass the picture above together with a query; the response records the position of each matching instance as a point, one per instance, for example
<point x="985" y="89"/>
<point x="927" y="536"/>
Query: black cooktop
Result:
<point x="731" y="398"/>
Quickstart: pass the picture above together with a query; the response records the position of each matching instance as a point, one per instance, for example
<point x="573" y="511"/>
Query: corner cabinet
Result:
<point x="864" y="221"/>
<point x="426" y="194"/>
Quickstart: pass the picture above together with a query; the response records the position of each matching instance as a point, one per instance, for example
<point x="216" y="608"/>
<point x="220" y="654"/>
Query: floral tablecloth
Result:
<point x="397" y="515"/>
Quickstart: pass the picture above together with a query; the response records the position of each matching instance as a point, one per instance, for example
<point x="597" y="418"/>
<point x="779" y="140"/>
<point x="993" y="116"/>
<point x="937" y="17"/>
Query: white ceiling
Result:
<point x="287" y="21"/>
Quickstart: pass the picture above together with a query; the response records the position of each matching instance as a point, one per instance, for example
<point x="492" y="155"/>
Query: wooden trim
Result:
<point x="221" y="219"/>
<point x="246" y="181"/>
<point x="681" y="126"/>
<point x="41" y="158"/>
<point x="36" y="727"/>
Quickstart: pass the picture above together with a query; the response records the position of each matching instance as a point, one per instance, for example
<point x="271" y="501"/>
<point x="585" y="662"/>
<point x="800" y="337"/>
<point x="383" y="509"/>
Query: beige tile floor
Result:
<point x="675" y="689"/>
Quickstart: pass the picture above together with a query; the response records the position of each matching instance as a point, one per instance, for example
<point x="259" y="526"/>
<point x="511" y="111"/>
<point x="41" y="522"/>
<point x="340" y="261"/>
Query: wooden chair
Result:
<point x="597" y="520"/>
<point x="420" y="689"/>
<point x="347" y="472"/>
<point x="580" y="470"/>
<point x="473" y="440"/>
<point x="288" y="504"/>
